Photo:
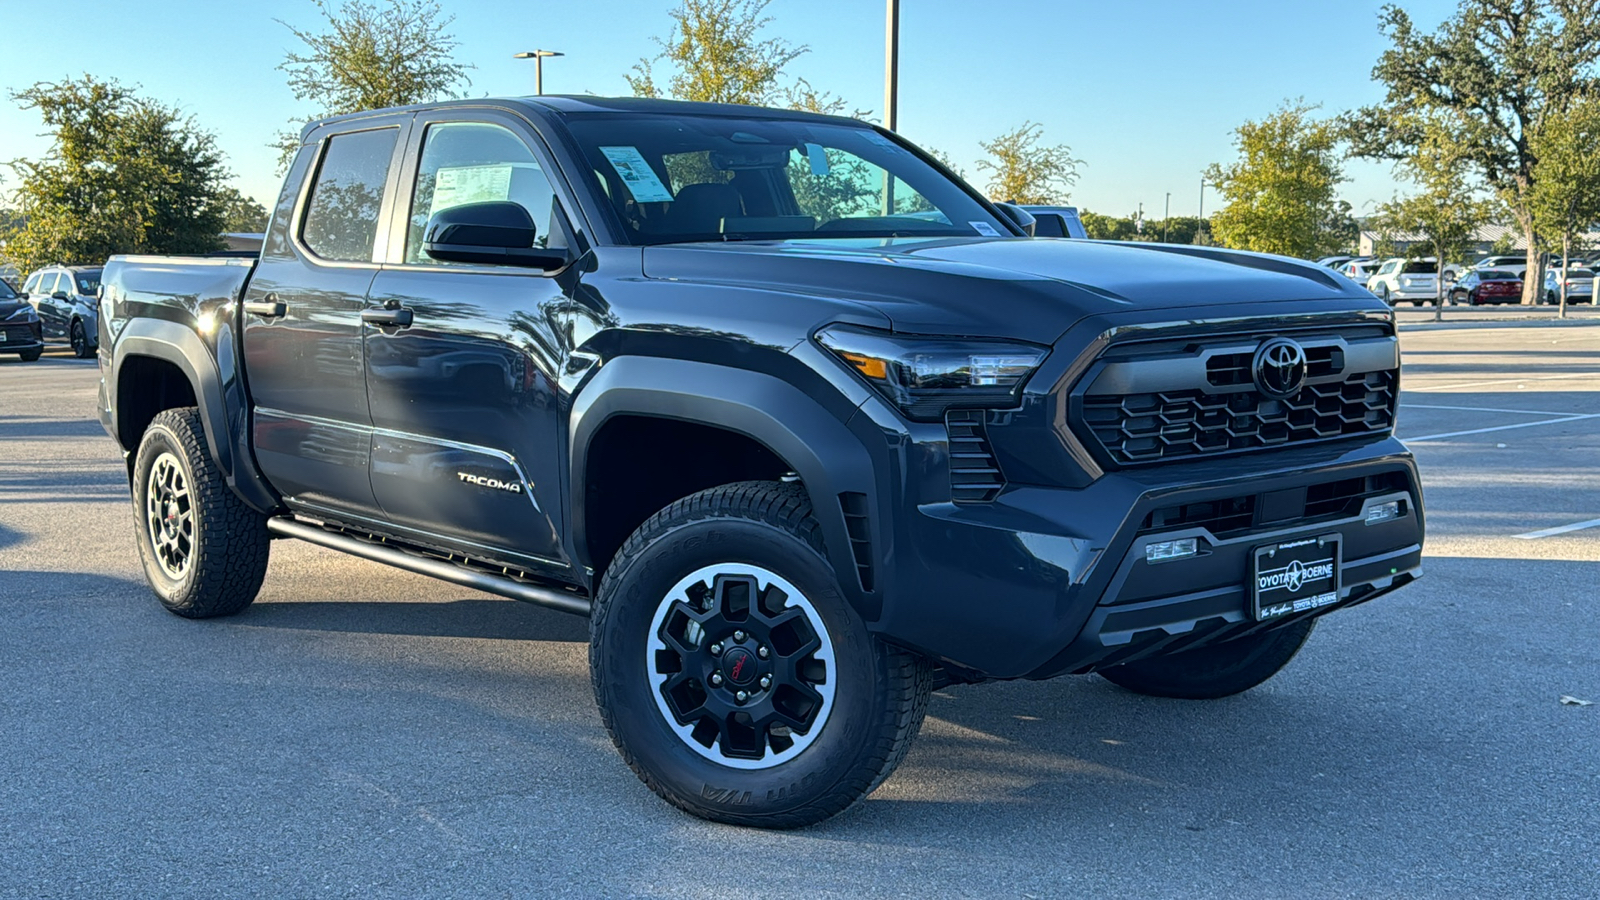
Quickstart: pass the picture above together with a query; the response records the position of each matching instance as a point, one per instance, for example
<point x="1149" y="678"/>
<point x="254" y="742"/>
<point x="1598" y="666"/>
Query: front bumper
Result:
<point x="1046" y="581"/>
<point x="20" y="337"/>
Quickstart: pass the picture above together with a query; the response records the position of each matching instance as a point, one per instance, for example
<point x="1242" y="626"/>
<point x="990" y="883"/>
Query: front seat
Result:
<point x="700" y="208"/>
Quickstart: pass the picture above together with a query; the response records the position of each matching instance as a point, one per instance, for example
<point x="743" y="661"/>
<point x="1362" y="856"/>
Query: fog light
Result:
<point x="1161" y="551"/>
<point x="1383" y="512"/>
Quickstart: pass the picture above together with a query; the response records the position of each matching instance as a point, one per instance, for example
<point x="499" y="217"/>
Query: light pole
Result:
<point x="891" y="65"/>
<point x="538" y="66"/>
<point x="1200" y="225"/>
<point x="1166" y="218"/>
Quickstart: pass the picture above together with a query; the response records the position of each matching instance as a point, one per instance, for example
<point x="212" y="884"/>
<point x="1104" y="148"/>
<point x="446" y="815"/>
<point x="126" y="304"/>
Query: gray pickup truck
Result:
<point x="802" y="422"/>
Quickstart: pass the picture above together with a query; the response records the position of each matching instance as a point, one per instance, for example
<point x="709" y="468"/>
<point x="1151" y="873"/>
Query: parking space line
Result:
<point x="1522" y="412"/>
<point x="1451" y="434"/>
<point x="1559" y="529"/>
<point x="1445" y="387"/>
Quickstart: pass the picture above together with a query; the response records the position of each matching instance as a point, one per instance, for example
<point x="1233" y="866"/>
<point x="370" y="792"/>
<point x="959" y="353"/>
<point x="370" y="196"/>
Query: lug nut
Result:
<point x="715" y="649"/>
<point x="761" y="652"/>
<point x="716" y="679"/>
<point x="766" y="682"/>
<point x="743" y="696"/>
<point x="738" y="636"/>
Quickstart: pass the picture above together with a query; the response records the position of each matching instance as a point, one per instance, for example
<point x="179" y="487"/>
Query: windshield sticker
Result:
<point x="637" y="174"/>
<point x="818" y="158"/>
<point x="984" y="228"/>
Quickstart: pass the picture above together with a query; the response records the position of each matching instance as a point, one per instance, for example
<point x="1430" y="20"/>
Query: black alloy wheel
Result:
<point x="80" y="340"/>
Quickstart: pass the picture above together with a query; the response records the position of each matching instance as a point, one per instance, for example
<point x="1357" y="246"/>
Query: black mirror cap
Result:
<point x="59" y="295"/>
<point x="497" y="233"/>
<point x="1018" y="215"/>
<point x="1048" y="224"/>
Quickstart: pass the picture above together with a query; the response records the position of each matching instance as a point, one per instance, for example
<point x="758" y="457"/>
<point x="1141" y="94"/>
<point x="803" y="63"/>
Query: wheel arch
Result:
<point x="791" y="426"/>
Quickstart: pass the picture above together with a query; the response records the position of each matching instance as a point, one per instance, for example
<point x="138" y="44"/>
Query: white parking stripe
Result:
<point x="1559" y="529"/>
<point x="1451" y="434"/>
<point x="1524" y="412"/>
<point x="1446" y="387"/>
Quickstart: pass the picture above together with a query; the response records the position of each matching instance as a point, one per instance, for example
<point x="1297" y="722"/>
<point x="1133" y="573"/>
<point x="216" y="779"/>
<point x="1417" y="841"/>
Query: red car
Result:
<point x="1488" y="286"/>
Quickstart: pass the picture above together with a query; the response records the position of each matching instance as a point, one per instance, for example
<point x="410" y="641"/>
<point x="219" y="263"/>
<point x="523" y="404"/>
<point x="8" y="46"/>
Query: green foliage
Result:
<point x="1279" y="192"/>
<point x="1445" y="211"/>
<point x="1565" y="197"/>
<point x="1021" y="170"/>
<point x="123" y="175"/>
<point x="241" y="213"/>
<point x="372" y="56"/>
<point x="1178" y="229"/>
<point x="717" y="55"/>
<point x="1497" y="69"/>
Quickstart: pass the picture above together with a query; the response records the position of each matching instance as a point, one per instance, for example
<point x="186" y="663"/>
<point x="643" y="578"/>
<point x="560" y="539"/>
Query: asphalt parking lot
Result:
<point x="364" y="732"/>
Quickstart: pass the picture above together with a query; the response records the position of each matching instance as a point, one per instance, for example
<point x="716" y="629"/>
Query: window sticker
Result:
<point x="984" y="228"/>
<point x="818" y="158"/>
<point x="455" y="186"/>
<point x="641" y="180"/>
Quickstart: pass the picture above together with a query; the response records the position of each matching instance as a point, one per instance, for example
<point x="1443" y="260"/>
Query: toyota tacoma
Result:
<point x="801" y="422"/>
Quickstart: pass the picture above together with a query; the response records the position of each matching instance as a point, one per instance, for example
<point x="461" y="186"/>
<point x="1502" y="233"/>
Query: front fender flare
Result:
<point x="829" y="458"/>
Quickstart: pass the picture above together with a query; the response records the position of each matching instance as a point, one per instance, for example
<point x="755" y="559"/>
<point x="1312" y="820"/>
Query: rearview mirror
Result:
<point x="1020" y="216"/>
<point x="496" y="233"/>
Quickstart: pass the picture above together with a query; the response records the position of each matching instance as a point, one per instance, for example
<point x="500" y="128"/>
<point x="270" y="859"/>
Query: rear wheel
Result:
<point x="1385" y="296"/>
<point x="31" y="355"/>
<point x="732" y="674"/>
<point x="204" y="551"/>
<point x="80" y="341"/>
<point x="1221" y="670"/>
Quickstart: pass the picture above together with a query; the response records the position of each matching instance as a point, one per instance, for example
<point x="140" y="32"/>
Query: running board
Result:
<point x="435" y="568"/>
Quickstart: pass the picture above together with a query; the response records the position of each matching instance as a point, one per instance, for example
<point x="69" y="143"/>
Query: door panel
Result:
<point x="467" y="425"/>
<point x="313" y="431"/>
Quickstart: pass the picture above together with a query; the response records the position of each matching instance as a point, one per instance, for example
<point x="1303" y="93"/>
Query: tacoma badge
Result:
<point x="480" y="481"/>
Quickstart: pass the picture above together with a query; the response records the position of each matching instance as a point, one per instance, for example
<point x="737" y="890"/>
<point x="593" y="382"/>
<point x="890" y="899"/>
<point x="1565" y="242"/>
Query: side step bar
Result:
<point x="435" y="568"/>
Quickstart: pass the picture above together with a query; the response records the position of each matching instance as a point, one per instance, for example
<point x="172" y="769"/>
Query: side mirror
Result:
<point x="59" y="295"/>
<point x="1020" y="216"/>
<point x="1048" y="224"/>
<point x="496" y="233"/>
<point x="22" y="295"/>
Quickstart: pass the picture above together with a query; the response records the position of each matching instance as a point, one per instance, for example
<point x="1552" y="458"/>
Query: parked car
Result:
<point x="1334" y="262"/>
<point x="1359" y="270"/>
<point x="1057" y="221"/>
<point x="1398" y="280"/>
<point x="798" y="461"/>
<point x="1482" y="286"/>
<point x="19" y="325"/>
<point x="1509" y="263"/>
<point x="1579" y="283"/>
<point x="67" y="298"/>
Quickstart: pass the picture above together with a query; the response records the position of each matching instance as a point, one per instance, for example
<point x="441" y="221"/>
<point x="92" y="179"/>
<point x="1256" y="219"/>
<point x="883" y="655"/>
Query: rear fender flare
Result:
<point x="821" y="449"/>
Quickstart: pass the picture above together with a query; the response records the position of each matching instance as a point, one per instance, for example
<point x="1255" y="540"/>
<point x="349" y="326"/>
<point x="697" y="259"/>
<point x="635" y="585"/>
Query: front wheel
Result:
<point x="732" y="674"/>
<point x="81" y="348"/>
<point x="1220" y="670"/>
<point x="204" y="551"/>
<point x="31" y="355"/>
<point x="1385" y="296"/>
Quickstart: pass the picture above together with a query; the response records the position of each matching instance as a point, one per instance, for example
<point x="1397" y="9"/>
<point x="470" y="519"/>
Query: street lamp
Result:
<point x="538" y="66"/>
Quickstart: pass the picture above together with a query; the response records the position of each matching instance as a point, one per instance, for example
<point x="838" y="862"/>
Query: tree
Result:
<point x="241" y="213"/>
<point x="1442" y="218"/>
<point x="1022" y="170"/>
<point x="123" y="175"/>
<point x="718" y="56"/>
<point x="1565" y="197"/>
<point x="1179" y="229"/>
<point x="1279" y="192"/>
<point x="373" y="56"/>
<point x="1498" y="68"/>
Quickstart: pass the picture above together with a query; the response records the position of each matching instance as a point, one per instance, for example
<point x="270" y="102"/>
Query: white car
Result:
<point x="1580" y="285"/>
<point x="1358" y="270"/>
<point x="1398" y="280"/>
<point x="1509" y="263"/>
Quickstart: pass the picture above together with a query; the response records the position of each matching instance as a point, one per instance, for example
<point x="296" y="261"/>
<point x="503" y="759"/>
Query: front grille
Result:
<point x="1234" y="515"/>
<point x="974" y="472"/>
<point x="1154" y="402"/>
<point x="16" y="335"/>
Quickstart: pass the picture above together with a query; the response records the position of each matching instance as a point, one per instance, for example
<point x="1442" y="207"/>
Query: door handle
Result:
<point x="399" y="317"/>
<point x="269" y="307"/>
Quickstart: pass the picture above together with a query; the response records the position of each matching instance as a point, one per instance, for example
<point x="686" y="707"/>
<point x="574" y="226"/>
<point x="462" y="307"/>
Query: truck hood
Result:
<point x="1007" y="287"/>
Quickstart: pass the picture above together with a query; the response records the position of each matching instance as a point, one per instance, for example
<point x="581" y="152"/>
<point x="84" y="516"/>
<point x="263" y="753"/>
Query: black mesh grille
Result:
<point x="974" y="472"/>
<point x="1232" y="515"/>
<point x="1169" y="425"/>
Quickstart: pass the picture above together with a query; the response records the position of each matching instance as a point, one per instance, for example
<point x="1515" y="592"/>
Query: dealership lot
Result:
<point x="361" y="731"/>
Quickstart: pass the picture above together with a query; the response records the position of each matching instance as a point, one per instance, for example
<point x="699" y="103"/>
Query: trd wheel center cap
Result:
<point x="739" y="667"/>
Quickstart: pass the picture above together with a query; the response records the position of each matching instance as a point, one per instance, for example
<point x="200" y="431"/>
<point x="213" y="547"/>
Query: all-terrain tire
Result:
<point x="1220" y="670"/>
<point x="879" y="692"/>
<point x="204" y="551"/>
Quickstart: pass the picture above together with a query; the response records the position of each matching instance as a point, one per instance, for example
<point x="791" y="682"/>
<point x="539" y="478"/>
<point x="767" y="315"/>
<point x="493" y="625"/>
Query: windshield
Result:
<point x="88" y="281"/>
<point x="674" y="178"/>
<point x="6" y="293"/>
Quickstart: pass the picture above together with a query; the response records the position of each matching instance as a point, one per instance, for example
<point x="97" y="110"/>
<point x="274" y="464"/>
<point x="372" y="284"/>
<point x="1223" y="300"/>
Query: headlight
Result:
<point x="25" y="313"/>
<point x="924" y="376"/>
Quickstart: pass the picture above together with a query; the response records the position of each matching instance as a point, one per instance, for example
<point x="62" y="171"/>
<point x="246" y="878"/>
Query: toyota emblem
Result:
<point x="1280" y="368"/>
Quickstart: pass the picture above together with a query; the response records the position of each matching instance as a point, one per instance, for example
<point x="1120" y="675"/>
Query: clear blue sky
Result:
<point x="1146" y="93"/>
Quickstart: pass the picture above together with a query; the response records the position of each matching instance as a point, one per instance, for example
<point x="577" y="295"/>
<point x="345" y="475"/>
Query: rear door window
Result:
<point x="341" y="217"/>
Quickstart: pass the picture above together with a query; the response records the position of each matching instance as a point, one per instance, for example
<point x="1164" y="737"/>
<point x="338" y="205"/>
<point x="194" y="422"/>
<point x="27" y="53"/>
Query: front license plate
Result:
<point x="1294" y="576"/>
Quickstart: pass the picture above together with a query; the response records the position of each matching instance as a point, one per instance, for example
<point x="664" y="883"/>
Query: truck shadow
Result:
<point x="488" y="619"/>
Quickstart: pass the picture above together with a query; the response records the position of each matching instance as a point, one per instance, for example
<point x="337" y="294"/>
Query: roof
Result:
<point x="582" y="104"/>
